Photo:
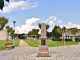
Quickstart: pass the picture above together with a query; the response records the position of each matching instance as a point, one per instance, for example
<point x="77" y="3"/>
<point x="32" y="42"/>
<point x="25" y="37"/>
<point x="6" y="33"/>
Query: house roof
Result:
<point x="69" y="33"/>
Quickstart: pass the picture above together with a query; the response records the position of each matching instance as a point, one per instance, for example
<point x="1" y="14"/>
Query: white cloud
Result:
<point x="28" y="26"/>
<point x="51" y="23"/>
<point x="20" y="5"/>
<point x="60" y="21"/>
<point x="70" y="25"/>
<point x="51" y="18"/>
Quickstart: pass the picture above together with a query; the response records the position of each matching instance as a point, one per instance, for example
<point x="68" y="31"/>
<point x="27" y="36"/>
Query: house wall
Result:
<point x="2" y="35"/>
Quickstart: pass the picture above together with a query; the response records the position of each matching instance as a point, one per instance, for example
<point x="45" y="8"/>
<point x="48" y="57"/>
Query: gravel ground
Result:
<point x="30" y="53"/>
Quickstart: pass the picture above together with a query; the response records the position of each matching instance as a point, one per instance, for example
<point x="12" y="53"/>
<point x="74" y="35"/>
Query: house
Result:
<point x="4" y="35"/>
<point x="71" y="36"/>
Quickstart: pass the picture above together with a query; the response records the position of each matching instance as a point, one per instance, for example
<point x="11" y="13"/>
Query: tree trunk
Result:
<point x="57" y="39"/>
<point x="35" y="41"/>
<point x="74" y="38"/>
<point x="7" y="38"/>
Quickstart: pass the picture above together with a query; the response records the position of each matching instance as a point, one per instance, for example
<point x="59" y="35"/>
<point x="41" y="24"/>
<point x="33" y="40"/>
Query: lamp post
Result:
<point x="17" y="34"/>
<point x="14" y="31"/>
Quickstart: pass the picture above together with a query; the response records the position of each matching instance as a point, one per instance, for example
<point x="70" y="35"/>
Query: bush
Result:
<point x="65" y="39"/>
<point x="77" y="39"/>
<point x="37" y="36"/>
<point x="53" y="39"/>
<point x="22" y="37"/>
<point x="33" y="36"/>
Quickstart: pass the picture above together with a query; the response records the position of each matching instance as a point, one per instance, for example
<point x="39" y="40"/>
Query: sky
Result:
<point x="28" y="13"/>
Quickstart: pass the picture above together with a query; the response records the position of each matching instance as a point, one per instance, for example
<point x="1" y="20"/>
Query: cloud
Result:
<point x="60" y="21"/>
<point x="25" y="28"/>
<point x="20" y="5"/>
<point x="51" y="23"/>
<point x="70" y="25"/>
<point x="51" y="18"/>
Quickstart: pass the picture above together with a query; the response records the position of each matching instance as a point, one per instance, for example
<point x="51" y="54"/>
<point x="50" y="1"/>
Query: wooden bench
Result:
<point x="8" y="45"/>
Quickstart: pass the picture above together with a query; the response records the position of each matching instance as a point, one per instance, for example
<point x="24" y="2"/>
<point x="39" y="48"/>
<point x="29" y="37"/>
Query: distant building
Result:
<point x="71" y="36"/>
<point x="4" y="35"/>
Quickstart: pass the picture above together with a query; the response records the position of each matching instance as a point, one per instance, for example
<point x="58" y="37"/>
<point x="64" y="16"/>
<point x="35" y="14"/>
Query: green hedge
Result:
<point x="65" y="39"/>
<point x="22" y="37"/>
<point x="54" y="39"/>
<point x="77" y="39"/>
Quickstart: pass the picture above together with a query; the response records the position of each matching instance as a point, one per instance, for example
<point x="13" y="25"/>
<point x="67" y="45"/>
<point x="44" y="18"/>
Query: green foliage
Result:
<point x="29" y="33"/>
<point x="35" y="31"/>
<point x="7" y="28"/>
<point x="2" y="3"/>
<point x="77" y="39"/>
<point x="33" y="36"/>
<point x="59" y="30"/>
<point x="38" y="36"/>
<point x="22" y="37"/>
<point x="48" y="34"/>
<point x="71" y="28"/>
<point x="3" y="22"/>
<point x="53" y="39"/>
<point x="56" y="32"/>
<point x="64" y="28"/>
<point x="55" y="28"/>
<point x="66" y="39"/>
<point x="74" y="31"/>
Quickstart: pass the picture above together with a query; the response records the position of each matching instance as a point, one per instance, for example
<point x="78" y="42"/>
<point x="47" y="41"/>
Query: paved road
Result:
<point x="30" y="53"/>
<point x="23" y="44"/>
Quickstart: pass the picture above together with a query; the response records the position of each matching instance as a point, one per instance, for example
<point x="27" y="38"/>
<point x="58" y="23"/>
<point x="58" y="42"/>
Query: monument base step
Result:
<point x="43" y="54"/>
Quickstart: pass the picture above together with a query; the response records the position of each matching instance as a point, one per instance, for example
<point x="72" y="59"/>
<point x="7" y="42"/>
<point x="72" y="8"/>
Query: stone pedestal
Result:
<point x="43" y="51"/>
<point x="43" y="48"/>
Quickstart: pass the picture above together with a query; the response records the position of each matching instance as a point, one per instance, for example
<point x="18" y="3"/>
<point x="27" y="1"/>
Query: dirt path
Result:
<point x="23" y="44"/>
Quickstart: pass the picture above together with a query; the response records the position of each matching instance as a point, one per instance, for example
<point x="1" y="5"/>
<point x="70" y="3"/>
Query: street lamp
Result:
<point x="14" y="31"/>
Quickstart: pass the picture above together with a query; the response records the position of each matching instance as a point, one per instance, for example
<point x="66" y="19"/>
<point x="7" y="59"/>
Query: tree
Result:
<point x="74" y="31"/>
<point x="38" y="36"/>
<point x="2" y="3"/>
<point x="55" y="28"/>
<point x="30" y="34"/>
<point x="3" y="22"/>
<point x="56" y="32"/>
<point x="35" y="33"/>
<point x="64" y="28"/>
<point x="48" y="34"/>
<point x="8" y="30"/>
<point x="11" y="31"/>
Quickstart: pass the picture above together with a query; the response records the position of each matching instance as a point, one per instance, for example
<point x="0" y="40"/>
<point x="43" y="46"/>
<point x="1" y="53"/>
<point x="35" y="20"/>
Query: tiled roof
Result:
<point x="69" y="32"/>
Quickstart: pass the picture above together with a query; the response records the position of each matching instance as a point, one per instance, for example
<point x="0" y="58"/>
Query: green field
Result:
<point x="50" y="43"/>
<point x="2" y="43"/>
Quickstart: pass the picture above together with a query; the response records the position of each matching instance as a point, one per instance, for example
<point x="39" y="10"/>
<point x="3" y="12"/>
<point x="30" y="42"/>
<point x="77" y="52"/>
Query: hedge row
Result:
<point x="76" y="39"/>
<point x="61" y="39"/>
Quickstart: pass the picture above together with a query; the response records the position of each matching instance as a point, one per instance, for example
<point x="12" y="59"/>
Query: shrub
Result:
<point x="37" y="36"/>
<point x="77" y="39"/>
<point x="65" y="39"/>
<point x="33" y="36"/>
<point x="53" y="38"/>
<point x="22" y="37"/>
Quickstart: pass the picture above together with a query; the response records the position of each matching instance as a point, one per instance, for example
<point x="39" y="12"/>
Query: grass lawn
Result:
<point x="2" y="43"/>
<point x="49" y="43"/>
